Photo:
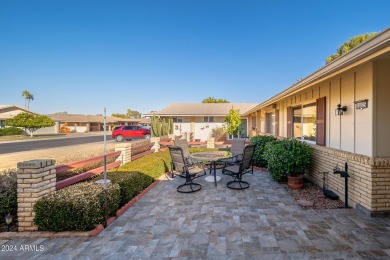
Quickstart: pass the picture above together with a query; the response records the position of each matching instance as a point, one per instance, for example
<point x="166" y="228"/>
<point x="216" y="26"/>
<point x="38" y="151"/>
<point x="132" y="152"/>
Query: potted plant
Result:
<point x="287" y="160"/>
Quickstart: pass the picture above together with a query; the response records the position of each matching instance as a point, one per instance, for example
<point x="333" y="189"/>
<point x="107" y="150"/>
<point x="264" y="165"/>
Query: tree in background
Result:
<point x="129" y="114"/>
<point x="27" y="98"/>
<point x="214" y="100"/>
<point x="29" y="122"/>
<point x="119" y="115"/>
<point x="233" y="121"/>
<point x="349" y="45"/>
<point x="133" y="114"/>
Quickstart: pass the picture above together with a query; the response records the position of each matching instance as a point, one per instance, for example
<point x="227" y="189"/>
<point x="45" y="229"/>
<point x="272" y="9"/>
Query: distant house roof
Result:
<point x="62" y="117"/>
<point x="9" y="111"/>
<point x="201" y="109"/>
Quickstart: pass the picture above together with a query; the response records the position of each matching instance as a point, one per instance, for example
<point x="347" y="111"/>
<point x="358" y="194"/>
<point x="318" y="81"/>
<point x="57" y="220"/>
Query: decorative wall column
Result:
<point x="125" y="149"/>
<point x="156" y="145"/>
<point x="35" y="178"/>
<point x="210" y="142"/>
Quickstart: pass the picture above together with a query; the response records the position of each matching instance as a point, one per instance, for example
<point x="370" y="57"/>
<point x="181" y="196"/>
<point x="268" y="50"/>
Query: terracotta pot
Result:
<point x="295" y="182"/>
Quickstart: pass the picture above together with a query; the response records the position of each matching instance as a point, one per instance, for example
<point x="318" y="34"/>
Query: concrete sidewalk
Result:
<point x="262" y="222"/>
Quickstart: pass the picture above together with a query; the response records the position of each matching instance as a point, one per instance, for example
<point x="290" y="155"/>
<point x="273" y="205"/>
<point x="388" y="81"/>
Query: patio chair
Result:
<point x="238" y="170"/>
<point x="191" y="172"/>
<point x="237" y="150"/>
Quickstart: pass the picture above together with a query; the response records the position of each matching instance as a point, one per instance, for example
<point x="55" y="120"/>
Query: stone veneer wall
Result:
<point x="36" y="178"/>
<point x="369" y="182"/>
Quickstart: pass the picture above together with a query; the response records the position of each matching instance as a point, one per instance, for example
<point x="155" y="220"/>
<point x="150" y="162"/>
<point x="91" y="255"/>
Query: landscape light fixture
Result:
<point x="340" y="110"/>
<point x="8" y="220"/>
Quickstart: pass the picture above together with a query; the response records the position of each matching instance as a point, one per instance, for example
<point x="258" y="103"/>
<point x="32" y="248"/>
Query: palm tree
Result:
<point x="27" y="97"/>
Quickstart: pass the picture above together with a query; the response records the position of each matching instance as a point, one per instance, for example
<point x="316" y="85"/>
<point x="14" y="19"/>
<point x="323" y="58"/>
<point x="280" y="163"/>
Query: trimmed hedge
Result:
<point x="130" y="183"/>
<point x="135" y="176"/>
<point x="199" y="149"/>
<point x="260" y="141"/>
<point x="79" y="207"/>
<point x="8" y="195"/>
<point x="11" y="131"/>
<point x="153" y="165"/>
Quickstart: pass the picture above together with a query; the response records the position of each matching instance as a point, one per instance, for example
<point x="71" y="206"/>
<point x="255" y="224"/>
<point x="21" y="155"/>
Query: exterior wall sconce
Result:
<point x="340" y="110"/>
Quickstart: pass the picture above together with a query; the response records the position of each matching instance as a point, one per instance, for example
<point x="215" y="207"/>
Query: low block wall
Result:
<point x="36" y="178"/>
<point x="369" y="181"/>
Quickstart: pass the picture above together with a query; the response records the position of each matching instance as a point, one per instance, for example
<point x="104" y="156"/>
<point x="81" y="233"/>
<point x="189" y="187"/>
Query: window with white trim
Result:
<point x="304" y="122"/>
<point x="208" y="119"/>
<point x="177" y="119"/>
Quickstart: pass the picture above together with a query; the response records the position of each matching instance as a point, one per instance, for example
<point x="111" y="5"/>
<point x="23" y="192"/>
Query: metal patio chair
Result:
<point x="190" y="172"/>
<point x="238" y="170"/>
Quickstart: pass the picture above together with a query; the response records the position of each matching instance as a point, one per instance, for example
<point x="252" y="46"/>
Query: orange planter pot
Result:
<point x="295" y="182"/>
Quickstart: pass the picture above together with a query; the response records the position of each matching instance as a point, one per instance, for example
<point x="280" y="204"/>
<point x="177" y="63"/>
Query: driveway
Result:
<point x="262" y="222"/>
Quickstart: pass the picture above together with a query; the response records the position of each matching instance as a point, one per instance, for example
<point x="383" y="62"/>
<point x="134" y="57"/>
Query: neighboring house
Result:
<point x="9" y="111"/>
<point x="88" y="123"/>
<point x="359" y="134"/>
<point x="200" y="118"/>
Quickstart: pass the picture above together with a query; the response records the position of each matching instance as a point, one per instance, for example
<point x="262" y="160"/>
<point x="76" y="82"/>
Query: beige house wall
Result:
<point x="351" y="132"/>
<point x="359" y="137"/>
<point x="382" y="107"/>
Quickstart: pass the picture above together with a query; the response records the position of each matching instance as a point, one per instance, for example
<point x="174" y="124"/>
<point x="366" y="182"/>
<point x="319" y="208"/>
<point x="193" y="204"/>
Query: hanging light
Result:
<point x="340" y="110"/>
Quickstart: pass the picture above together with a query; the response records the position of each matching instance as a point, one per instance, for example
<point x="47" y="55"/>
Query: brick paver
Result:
<point x="262" y="222"/>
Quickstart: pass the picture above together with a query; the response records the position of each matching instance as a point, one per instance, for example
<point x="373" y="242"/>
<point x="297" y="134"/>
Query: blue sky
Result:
<point x="81" y="56"/>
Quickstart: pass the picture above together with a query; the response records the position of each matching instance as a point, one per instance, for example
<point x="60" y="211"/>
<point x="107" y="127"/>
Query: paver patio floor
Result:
<point x="262" y="222"/>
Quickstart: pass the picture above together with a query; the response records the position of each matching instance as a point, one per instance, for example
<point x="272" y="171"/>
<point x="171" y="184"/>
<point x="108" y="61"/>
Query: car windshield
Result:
<point x="117" y="127"/>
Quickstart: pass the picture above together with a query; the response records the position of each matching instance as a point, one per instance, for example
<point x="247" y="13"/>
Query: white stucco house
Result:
<point x="200" y="118"/>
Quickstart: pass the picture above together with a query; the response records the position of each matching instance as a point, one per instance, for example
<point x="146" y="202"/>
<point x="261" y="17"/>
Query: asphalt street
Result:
<point x="14" y="147"/>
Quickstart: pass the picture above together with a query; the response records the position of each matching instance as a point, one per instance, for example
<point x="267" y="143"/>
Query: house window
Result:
<point x="253" y="122"/>
<point x="304" y="122"/>
<point x="270" y="123"/>
<point x="208" y="119"/>
<point x="177" y="119"/>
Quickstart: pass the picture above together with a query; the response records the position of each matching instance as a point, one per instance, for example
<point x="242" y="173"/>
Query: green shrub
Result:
<point x="287" y="157"/>
<point x="153" y="165"/>
<point x="200" y="149"/>
<point x="8" y="195"/>
<point x="131" y="184"/>
<point x="79" y="207"/>
<point x="260" y="141"/>
<point x="11" y="131"/>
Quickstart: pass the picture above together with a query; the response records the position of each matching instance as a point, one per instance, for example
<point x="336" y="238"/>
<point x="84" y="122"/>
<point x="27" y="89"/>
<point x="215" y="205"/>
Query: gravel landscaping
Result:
<point x="313" y="193"/>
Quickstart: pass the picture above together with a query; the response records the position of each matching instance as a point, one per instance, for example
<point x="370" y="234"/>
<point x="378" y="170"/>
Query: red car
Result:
<point x="121" y="133"/>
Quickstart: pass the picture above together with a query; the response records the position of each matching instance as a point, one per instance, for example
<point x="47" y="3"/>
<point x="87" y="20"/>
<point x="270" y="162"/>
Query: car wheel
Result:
<point x="120" y="138"/>
<point x="147" y="136"/>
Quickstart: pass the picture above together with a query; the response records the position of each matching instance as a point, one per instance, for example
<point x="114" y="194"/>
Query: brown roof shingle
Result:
<point x="201" y="109"/>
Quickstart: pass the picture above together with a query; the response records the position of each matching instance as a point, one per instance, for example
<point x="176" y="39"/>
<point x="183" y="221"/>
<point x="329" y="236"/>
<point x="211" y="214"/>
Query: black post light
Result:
<point x="8" y="220"/>
<point x="340" y="110"/>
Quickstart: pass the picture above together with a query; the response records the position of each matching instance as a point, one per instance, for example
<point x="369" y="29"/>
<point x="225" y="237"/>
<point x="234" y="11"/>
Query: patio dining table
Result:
<point x="212" y="157"/>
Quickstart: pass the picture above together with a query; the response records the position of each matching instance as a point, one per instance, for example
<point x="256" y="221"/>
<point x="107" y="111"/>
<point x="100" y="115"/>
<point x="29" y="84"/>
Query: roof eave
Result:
<point x="367" y="48"/>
